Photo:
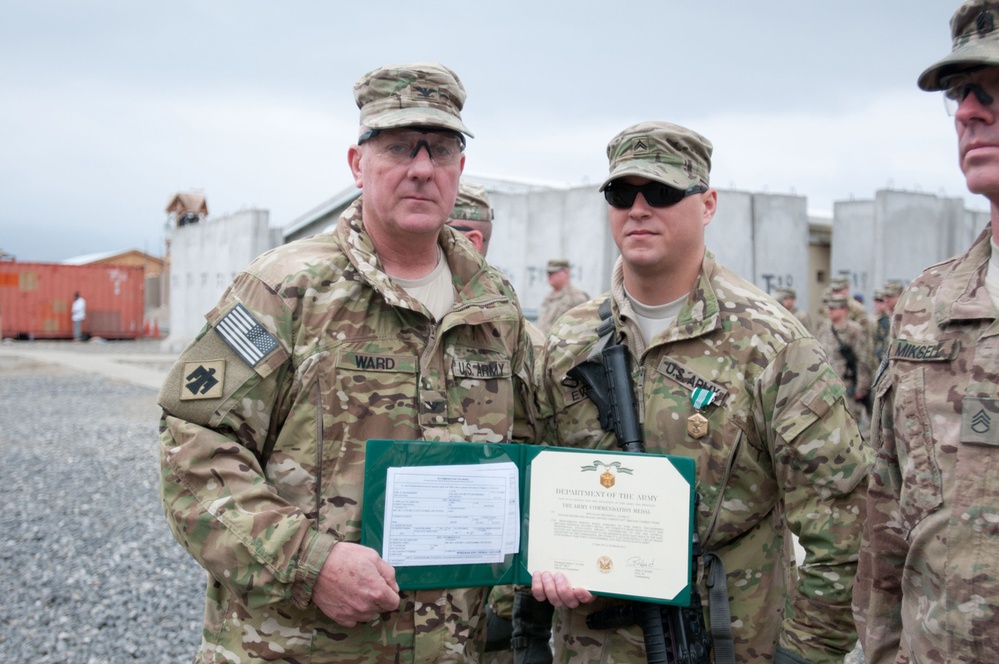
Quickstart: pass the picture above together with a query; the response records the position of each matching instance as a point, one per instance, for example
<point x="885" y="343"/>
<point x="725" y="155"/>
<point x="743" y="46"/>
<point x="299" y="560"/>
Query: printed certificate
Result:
<point x="611" y="524"/>
<point x="452" y="515"/>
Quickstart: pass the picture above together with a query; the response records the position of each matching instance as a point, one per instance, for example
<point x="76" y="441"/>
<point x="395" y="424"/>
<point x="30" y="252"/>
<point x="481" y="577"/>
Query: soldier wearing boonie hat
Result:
<point x="344" y="329"/>
<point x="710" y="352"/>
<point x="928" y="577"/>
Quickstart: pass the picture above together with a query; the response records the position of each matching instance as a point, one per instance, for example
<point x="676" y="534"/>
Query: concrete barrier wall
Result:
<point x="205" y="257"/>
<point x="532" y="227"/>
<point x="780" y="232"/>
<point x="761" y="237"/>
<point x="853" y="242"/>
<point x="898" y="235"/>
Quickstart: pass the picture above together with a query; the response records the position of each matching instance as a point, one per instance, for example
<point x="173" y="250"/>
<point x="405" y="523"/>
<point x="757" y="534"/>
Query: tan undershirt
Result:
<point x="654" y="319"/>
<point x="435" y="291"/>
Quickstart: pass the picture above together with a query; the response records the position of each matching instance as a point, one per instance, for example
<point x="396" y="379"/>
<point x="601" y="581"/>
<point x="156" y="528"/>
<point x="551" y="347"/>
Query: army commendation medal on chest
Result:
<point x="697" y="424"/>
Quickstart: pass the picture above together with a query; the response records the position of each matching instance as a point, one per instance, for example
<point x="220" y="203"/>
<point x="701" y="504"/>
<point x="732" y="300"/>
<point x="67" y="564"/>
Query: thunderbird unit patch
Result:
<point x="203" y="380"/>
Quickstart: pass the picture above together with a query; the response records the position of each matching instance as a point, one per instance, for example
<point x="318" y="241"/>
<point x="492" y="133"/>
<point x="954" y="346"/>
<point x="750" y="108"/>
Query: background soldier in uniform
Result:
<point x="728" y="377"/>
<point x="928" y="581"/>
<point x="840" y="286"/>
<point x="372" y="330"/>
<point x="893" y="289"/>
<point x="473" y="217"/>
<point x="847" y="347"/>
<point x="788" y="299"/>
<point x="877" y="325"/>
<point x="564" y="294"/>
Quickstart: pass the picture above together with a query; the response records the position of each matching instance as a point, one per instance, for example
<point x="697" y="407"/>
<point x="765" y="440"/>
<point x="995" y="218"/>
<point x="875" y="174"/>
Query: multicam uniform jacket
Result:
<point x="261" y="480"/>
<point x="848" y="333"/>
<point x="928" y="580"/>
<point x="780" y="452"/>
<point x="557" y="303"/>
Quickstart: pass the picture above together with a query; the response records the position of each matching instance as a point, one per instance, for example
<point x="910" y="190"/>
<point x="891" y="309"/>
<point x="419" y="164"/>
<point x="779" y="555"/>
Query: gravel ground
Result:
<point x="89" y="572"/>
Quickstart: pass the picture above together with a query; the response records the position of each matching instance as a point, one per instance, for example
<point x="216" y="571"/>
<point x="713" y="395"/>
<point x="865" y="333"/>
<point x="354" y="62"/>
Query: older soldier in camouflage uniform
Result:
<point x="388" y="326"/>
<point x="928" y="583"/>
<point x="842" y="337"/>
<point x="564" y="295"/>
<point x="724" y="375"/>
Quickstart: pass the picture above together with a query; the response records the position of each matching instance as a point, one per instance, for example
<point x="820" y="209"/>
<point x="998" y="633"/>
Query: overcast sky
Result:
<point x="107" y="108"/>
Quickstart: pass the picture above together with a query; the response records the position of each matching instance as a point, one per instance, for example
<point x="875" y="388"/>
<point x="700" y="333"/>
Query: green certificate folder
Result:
<point x="453" y="515"/>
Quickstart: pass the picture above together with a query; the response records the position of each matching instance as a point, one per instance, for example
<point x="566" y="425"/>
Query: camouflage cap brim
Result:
<point x="674" y="177"/>
<point x="975" y="43"/>
<point x="415" y="117"/>
<point x="972" y="55"/>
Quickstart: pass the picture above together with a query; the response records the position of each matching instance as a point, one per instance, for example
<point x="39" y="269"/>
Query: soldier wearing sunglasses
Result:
<point x="724" y="375"/>
<point x="928" y="579"/>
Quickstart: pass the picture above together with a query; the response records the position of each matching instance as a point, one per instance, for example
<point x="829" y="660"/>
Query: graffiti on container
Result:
<point x="117" y="277"/>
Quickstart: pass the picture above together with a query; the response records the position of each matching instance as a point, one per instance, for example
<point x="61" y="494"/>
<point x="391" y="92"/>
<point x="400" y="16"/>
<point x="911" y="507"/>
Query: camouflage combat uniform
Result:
<point x="260" y="483"/>
<point x="802" y="316"/>
<point x="780" y="452"/>
<point x="928" y="583"/>
<point x="858" y="314"/>
<point x="879" y="327"/>
<point x="557" y="303"/>
<point x="852" y="335"/>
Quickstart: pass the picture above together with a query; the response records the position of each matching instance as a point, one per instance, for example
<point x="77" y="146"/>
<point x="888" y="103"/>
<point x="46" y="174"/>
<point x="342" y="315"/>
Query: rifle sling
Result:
<point x="721" y="621"/>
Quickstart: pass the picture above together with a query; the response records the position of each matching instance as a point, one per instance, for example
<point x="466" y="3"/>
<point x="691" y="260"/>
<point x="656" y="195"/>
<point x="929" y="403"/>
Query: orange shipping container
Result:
<point x="36" y="298"/>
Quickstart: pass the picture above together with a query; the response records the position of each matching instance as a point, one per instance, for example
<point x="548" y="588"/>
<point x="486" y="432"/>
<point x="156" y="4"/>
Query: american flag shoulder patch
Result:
<point x="245" y="335"/>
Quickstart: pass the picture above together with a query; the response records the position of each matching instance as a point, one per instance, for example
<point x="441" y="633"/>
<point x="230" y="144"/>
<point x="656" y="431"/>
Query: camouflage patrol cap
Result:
<point x="839" y="282"/>
<point x="424" y="94"/>
<point x="660" y="151"/>
<point x="784" y="293"/>
<point x="976" y="43"/>
<point x="472" y="203"/>
<point x="556" y="264"/>
<point x="836" y="301"/>
<point x="879" y="294"/>
<point x="893" y="288"/>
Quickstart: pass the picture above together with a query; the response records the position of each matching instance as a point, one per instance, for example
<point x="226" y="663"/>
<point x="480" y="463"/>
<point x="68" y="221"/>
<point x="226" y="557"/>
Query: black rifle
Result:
<point x="673" y="634"/>
<point x="851" y="359"/>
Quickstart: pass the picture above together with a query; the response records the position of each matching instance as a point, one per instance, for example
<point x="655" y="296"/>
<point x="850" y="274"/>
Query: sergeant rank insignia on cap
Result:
<point x="245" y="335"/>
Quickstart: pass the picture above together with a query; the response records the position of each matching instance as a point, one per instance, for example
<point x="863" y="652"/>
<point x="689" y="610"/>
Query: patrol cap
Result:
<point x="423" y="94"/>
<point x="836" y="301"/>
<point x="839" y="282"/>
<point x="556" y="264"/>
<point x="472" y="203"/>
<point x="660" y="151"/>
<point x="976" y="43"/>
<point x="879" y="294"/>
<point x="893" y="288"/>
<point x="784" y="293"/>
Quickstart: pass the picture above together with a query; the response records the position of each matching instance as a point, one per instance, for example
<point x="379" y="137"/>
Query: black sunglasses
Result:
<point x="622" y="195"/>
